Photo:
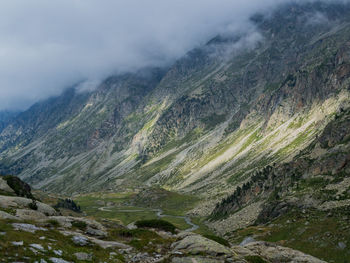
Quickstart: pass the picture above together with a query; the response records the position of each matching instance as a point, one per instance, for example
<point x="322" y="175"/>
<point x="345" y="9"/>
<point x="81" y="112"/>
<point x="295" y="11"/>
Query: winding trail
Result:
<point x="159" y="214"/>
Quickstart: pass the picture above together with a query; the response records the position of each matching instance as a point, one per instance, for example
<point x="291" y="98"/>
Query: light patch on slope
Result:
<point x="274" y="141"/>
<point x="66" y="123"/>
<point x="221" y="159"/>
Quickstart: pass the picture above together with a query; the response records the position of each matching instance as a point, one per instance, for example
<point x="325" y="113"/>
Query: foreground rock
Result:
<point x="270" y="252"/>
<point x="24" y="203"/>
<point x="83" y="256"/>
<point x="191" y="248"/>
<point x="27" y="227"/>
<point x="83" y="240"/>
<point x="275" y="253"/>
<point x="195" y="244"/>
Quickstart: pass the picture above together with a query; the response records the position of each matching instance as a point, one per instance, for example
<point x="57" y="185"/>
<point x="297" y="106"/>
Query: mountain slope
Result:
<point x="202" y="125"/>
<point x="6" y="117"/>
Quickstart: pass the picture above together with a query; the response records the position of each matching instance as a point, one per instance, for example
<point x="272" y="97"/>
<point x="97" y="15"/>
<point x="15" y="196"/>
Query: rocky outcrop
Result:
<point x="194" y="244"/>
<point x="21" y="202"/>
<point x="5" y="187"/>
<point x="195" y="248"/>
<point x="274" y="253"/>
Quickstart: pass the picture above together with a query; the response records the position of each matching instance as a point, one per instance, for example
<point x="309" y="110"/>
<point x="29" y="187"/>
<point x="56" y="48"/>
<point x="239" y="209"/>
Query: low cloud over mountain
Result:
<point x="47" y="46"/>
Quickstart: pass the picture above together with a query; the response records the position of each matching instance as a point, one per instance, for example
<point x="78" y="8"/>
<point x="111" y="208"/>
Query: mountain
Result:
<point x="6" y="117"/>
<point x="205" y="123"/>
<point x="255" y="125"/>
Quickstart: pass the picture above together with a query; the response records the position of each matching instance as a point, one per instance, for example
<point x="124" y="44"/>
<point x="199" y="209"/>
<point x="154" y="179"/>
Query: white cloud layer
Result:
<point x="46" y="46"/>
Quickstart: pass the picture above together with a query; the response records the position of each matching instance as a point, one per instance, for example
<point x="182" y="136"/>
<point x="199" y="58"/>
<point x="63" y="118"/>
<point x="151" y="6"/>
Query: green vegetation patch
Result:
<point x="218" y="239"/>
<point x="156" y="224"/>
<point x="21" y="188"/>
<point x="213" y="120"/>
<point x="79" y="224"/>
<point x="255" y="259"/>
<point x="141" y="239"/>
<point x="171" y="202"/>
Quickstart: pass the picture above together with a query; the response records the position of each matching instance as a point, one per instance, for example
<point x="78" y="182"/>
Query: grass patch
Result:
<point x="179" y="223"/>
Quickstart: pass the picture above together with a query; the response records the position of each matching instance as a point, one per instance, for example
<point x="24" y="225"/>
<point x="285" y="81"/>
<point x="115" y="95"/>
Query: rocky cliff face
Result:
<point x="203" y="125"/>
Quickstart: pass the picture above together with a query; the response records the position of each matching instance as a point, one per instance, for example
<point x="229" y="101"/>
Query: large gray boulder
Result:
<point x="196" y="244"/>
<point x="21" y="202"/>
<point x="26" y="214"/>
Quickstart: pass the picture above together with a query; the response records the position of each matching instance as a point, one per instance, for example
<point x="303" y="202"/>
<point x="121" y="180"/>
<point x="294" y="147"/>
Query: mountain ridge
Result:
<point x="188" y="127"/>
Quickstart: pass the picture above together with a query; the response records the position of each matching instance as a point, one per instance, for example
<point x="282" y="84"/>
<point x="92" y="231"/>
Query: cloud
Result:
<point x="47" y="46"/>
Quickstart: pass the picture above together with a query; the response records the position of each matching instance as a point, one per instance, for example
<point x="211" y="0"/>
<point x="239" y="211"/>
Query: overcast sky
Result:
<point x="48" y="45"/>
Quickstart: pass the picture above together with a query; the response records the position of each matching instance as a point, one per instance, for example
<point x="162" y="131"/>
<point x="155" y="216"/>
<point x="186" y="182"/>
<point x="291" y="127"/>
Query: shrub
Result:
<point x="79" y="224"/>
<point x="217" y="239"/>
<point x="33" y="205"/>
<point x="157" y="224"/>
<point x="255" y="259"/>
<point x="53" y="222"/>
<point x="133" y="233"/>
<point x="21" y="188"/>
<point x="68" y="204"/>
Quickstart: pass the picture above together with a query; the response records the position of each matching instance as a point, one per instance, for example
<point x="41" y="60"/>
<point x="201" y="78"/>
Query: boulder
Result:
<point x="83" y="256"/>
<point x="21" y="202"/>
<point x="196" y="244"/>
<point x="27" y="227"/>
<point x="5" y="187"/>
<point x="66" y="221"/>
<point x="26" y="214"/>
<point x="37" y="247"/>
<point x="80" y="240"/>
<point x="109" y="244"/>
<point x="95" y="232"/>
<point x="4" y="215"/>
<point x="275" y="253"/>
